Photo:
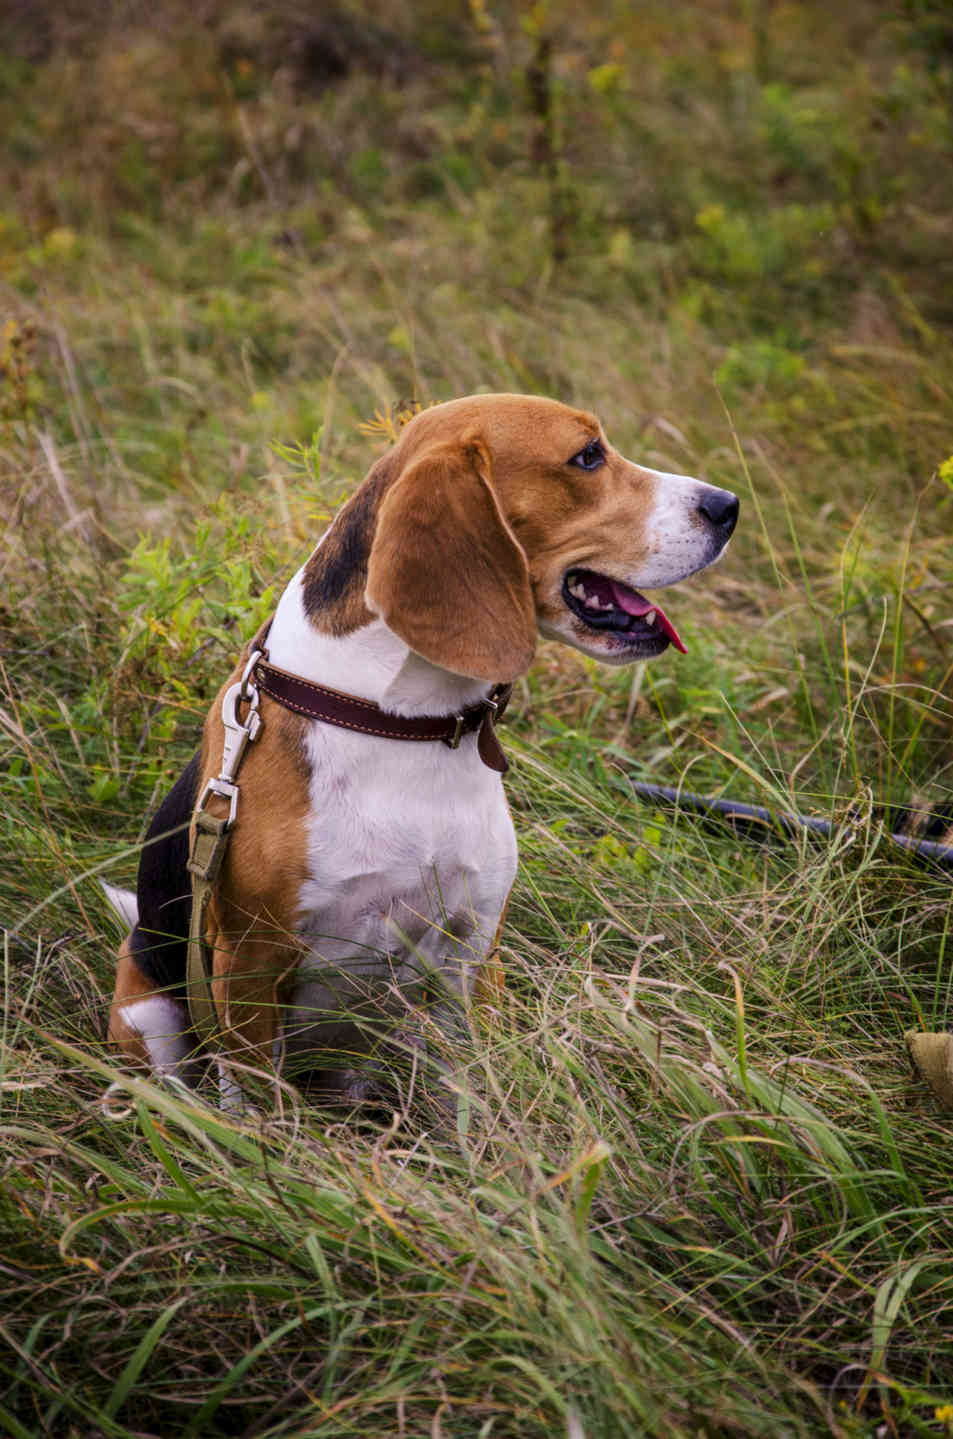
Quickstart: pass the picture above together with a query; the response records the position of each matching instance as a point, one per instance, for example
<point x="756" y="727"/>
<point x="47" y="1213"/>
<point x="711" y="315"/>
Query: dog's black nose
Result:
<point x="720" y="508"/>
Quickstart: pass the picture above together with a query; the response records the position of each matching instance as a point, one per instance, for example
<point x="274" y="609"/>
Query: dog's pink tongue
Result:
<point x="635" y="604"/>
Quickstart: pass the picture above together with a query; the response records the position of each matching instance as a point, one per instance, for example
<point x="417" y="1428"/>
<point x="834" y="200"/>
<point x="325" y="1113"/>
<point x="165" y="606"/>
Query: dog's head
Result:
<point x="500" y="516"/>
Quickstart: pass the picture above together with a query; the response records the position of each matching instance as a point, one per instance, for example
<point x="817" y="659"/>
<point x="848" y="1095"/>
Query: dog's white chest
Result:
<point x="411" y="856"/>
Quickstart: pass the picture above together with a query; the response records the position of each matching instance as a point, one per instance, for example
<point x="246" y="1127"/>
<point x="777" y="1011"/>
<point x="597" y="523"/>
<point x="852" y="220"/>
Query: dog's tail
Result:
<point x="123" y="902"/>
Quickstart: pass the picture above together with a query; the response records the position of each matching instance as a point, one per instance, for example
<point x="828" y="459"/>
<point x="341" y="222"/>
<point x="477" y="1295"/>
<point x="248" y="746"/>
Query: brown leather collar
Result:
<point x="318" y="702"/>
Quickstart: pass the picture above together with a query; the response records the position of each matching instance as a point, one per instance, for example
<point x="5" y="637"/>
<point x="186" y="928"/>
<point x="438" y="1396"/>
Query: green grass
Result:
<point x="701" y="1191"/>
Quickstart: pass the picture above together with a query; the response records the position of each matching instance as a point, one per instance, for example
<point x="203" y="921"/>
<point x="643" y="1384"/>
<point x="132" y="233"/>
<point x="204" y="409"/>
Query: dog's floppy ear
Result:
<point x="446" y="572"/>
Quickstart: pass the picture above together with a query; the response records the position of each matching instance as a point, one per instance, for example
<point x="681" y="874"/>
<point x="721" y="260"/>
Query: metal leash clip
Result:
<point x="238" y="735"/>
<point x="210" y="839"/>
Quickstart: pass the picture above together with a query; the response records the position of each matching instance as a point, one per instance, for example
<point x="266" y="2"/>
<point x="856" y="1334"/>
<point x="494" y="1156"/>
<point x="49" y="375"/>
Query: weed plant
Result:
<point x="699" y="1190"/>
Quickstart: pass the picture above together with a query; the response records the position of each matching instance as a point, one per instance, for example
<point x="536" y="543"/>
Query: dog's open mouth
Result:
<point x="605" y="604"/>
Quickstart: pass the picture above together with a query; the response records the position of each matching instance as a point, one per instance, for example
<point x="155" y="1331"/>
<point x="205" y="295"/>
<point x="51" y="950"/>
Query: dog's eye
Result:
<point x="591" y="457"/>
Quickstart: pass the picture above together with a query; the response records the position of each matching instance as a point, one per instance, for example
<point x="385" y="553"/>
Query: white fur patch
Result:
<point x="678" y="539"/>
<point x="162" y="1024"/>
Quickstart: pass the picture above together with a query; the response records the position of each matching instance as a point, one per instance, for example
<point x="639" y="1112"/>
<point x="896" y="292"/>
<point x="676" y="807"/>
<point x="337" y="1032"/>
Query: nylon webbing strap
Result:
<point x="209" y="843"/>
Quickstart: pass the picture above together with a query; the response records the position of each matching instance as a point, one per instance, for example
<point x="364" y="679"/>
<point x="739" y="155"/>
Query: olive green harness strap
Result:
<point x="209" y="844"/>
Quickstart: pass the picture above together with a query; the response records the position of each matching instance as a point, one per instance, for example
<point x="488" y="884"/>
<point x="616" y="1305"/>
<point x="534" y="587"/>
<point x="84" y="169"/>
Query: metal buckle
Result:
<point x="225" y="789"/>
<point x="461" y="719"/>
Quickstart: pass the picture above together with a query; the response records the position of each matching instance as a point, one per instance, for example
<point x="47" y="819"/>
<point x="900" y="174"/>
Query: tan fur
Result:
<point x="550" y="506"/>
<point x="445" y="572"/>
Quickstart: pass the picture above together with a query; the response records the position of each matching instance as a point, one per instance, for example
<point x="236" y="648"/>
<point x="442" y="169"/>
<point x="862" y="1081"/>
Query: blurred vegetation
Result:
<point x="706" y="1197"/>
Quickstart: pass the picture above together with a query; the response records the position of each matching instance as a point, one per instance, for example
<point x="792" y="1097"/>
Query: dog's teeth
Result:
<point x="651" y="617"/>
<point x="590" y="599"/>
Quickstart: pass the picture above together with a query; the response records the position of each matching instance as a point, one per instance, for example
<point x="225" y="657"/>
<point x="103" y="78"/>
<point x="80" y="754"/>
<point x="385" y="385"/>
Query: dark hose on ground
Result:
<point x="752" y="817"/>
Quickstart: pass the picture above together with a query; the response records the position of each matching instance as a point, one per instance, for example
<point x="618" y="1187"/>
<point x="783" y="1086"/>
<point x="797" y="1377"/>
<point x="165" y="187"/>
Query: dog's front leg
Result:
<point x="245" y="988"/>
<point x="441" y="1037"/>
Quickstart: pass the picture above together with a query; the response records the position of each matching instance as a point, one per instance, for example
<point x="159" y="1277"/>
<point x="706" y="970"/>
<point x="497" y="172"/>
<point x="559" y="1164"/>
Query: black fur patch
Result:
<point x="159" y="942"/>
<point x="343" y="558"/>
<point x="336" y="575"/>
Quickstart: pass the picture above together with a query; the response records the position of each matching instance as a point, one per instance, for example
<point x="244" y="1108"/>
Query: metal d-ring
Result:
<point x="247" y="690"/>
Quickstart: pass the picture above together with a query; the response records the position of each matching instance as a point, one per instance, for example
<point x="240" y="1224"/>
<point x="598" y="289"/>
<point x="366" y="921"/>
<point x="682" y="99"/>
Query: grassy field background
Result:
<point x="701" y="1192"/>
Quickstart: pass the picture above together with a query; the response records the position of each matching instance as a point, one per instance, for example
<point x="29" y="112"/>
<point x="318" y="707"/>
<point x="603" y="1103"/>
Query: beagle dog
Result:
<point x="366" y="878"/>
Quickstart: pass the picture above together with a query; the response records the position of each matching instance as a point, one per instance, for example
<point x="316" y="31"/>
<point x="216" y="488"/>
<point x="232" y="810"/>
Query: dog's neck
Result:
<point x="371" y="663"/>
